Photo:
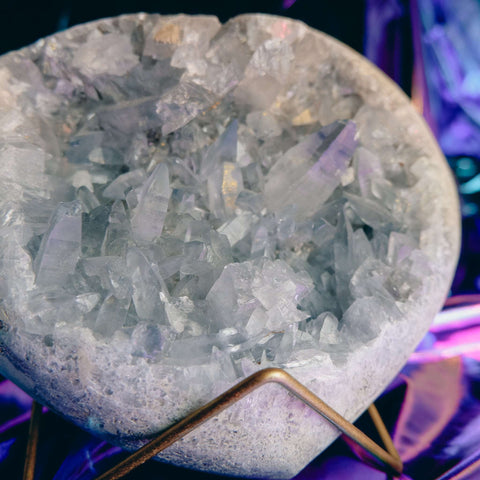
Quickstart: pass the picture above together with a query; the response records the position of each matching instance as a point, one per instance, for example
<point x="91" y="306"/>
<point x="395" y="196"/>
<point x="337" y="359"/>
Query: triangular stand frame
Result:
<point x="386" y="459"/>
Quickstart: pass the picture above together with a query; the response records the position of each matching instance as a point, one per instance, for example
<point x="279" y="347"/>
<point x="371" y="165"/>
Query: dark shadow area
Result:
<point x="23" y="22"/>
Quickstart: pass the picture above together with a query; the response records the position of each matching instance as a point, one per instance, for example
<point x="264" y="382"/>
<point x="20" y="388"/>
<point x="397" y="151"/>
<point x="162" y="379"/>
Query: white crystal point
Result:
<point x="101" y="54"/>
<point x="111" y="315"/>
<point x="224" y="178"/>
<point x="315" y="168"/>
<point x="60" y="248"/>
<point x="181" y="104"/>
<point x="149" y="215"/>
<point x="145" y="286"/>
<point x="237" y="228"/>
<point x="184" y="203"/>
<point x="116" y="190"/>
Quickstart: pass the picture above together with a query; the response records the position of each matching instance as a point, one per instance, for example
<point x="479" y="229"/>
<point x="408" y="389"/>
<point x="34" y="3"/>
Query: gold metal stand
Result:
<point x="32" y="443"/>
<point x="387" y="460"/>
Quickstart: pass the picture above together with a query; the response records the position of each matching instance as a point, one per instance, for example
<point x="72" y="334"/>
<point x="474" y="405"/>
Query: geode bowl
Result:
<point x="167" y="87"/>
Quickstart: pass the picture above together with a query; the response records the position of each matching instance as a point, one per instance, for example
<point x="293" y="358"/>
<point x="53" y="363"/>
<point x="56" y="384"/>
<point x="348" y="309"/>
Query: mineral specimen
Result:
<point x="184" y="203"/>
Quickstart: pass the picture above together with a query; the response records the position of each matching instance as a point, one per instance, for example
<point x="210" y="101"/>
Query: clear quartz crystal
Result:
<point x="183" y="203"/>
<point x="59" y="251"/>
<point x="149" y="215"/>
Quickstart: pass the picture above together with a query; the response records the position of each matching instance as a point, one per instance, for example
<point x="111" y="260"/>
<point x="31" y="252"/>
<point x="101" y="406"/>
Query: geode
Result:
<point x="183" y="203"/>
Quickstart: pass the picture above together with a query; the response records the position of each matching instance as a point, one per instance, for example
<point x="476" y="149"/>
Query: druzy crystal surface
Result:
<point x="183" y="203"/>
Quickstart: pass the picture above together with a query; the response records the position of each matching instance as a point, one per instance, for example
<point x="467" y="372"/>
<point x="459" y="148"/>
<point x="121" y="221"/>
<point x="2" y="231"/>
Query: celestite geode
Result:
<point x="183" y="203"/>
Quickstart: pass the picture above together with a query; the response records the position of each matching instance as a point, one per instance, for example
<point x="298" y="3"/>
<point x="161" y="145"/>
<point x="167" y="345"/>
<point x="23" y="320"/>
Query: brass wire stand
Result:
<point x="32" y="444"/>
<point x="387" y="460"/>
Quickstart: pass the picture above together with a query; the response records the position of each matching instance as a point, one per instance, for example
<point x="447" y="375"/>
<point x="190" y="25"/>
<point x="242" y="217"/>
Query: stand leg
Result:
<point x="388" y="460"/>
<point x="32" y="443"/>
<point x="381" y="429"/>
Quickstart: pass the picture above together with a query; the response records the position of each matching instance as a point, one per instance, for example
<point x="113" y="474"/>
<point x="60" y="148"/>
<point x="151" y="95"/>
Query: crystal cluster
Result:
<point x="190" y="194"/>
<point x="207" y="222"/>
